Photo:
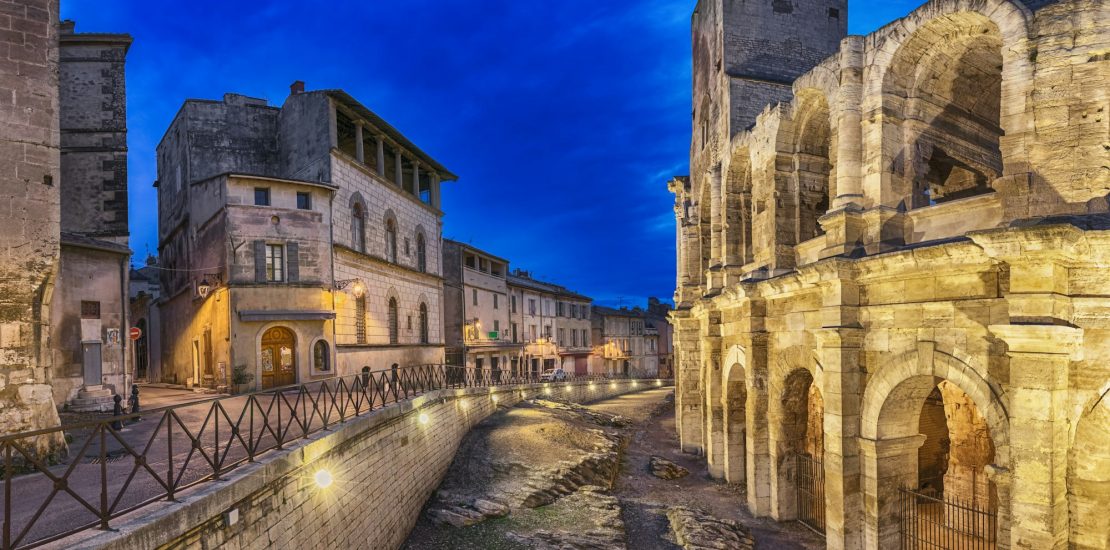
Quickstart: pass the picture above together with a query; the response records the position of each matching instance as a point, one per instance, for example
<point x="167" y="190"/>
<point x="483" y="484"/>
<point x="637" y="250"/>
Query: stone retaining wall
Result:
<point x="385" y="465"/>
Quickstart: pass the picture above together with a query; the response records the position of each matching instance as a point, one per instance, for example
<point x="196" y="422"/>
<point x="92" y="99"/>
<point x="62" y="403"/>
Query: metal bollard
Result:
<point x="133" y="402"/>
<point x="117" y="411"/>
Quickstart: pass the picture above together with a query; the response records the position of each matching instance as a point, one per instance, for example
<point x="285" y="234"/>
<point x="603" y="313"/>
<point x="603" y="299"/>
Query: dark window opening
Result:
<point x="345" y="133"/>
<point x="834" y="13"/>
<point x="90" y="310"/>
<point x="262" y="196"/>
<point x="304" y="201"/>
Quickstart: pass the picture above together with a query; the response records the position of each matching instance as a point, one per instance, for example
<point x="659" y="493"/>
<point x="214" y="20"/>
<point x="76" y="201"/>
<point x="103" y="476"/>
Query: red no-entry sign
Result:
<point x="135" y="333"/>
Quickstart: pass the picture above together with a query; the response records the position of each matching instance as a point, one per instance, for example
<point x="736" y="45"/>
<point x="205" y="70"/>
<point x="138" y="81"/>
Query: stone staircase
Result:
<point x="93" y="398"/>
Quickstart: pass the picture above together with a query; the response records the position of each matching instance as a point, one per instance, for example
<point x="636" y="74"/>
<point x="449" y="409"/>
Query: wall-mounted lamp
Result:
<point x="204" y="288"/>
<point x="357" y="286"/>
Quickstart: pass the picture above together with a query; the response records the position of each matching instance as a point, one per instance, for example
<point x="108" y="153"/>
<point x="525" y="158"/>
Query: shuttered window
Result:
<point x="423" y="323"/>
<point x="275" y="263"/>
<point x="292" y="262"/>
<point x="360" y="319"/>
<point x="393" y="321"/>
<point x="421" y="254"/>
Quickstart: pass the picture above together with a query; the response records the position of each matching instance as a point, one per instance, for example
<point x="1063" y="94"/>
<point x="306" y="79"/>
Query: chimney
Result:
<point x="297" y="87"/>
<point x="66" y="26"/>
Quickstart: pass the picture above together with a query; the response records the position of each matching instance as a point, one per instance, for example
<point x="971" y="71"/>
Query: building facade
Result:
<point x="145" y="293"/>
<point x="891" y="279"/>
<point x="297" y="243"/>
<point x="478" y="328"/>
<point x="92" y="355"/>
<point x="554" y="324"/>
<point x="628" y="342"/>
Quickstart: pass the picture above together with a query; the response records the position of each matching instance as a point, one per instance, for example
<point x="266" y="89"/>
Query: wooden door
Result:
<point x="279" y="358"/>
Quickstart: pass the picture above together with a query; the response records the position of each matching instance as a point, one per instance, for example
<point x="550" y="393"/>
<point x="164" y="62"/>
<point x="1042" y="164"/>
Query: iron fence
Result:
<point x="117" y="464"/>
<point x="810" y="491"/>
<point x="932" y="522"/>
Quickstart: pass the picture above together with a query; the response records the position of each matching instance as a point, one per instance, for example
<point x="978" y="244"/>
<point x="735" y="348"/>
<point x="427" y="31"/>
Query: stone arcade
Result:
<point x="891" y="278"/>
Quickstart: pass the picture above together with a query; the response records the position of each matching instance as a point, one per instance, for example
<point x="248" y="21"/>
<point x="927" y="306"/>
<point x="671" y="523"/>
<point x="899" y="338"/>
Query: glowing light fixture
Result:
<point x="494" y="398"/>
<point x="322" y="478"/>
<point x="423" y="418"/>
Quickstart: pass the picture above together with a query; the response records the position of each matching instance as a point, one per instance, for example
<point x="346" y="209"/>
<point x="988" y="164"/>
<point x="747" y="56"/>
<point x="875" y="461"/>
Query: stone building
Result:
<point x="626" y="342"/>
<point x="479" y="332"/>
<point x="657" y="317"/>
<point x="891" y="272"/>
<point x="145" y="293"/>
<point x="90" y="319"/>
<point x="30" y="227"/>
<point x="554" y="323"/>
<point x="297" y="242"/>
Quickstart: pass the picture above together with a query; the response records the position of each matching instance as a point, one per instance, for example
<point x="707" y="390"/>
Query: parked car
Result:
<point x="556" y="375"/>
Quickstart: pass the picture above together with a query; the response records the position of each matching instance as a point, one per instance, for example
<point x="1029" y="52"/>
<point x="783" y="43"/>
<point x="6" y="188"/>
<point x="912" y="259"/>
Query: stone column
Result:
<point x="435" y="190"/>
<point x="399" y="171"/>
<point x="714" y="406"/>
<point x="842" y="389"/>
<point x="759" y="456"/>
<point x="416" y="179"/>
<point x="849" y="128"/>
<point x="359" y="153"/>
<point x="1040" y="361"/>
<point x="889" y="464"/>
<point x="381" y="156"/>
<point x="688" y="399"/>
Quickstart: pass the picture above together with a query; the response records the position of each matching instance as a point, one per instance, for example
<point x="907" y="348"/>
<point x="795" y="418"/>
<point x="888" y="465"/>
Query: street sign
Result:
<point x="135" y="333"/>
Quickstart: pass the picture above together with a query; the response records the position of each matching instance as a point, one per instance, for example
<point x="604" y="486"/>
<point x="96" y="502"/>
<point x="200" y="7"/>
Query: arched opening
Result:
<point x="705" y="231"/>
<point x="421" y="254"/>
<point x="1089" y="480"/>
<point x="321" y="356"/>
<point x="942" y="109"/>
<point x="738" y="219"/>
<point x="423" y="323"/>
<point x="393" y="328"/>
<point x="736" y="422"/>
<point x="814" y="163"/>
<point x="279" y="357"/>
<point x="933" y="448"/>
<point x="391" y="239"/>
<point x="358" y="227"/>
<point x="800" y="450"/>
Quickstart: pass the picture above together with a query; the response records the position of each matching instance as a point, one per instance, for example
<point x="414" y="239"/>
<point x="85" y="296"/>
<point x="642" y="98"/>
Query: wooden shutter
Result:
<point x="293" y="262"/>
<point x="260" y="261"/>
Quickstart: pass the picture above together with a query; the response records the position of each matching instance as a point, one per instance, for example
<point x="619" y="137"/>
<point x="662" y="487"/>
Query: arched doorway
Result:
<point x="1089" y="480"/>
<point x="931" y="456"/>
<point x="799" y="452"/>
<point x="279" y="357"/>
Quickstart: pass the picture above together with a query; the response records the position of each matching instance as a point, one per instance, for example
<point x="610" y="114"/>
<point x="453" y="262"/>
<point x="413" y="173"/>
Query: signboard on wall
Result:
<point x="112" y="338"/>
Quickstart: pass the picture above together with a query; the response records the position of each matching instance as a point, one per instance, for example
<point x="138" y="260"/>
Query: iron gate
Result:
<point x="928" y="522"/>
<point x="810" y="491"/>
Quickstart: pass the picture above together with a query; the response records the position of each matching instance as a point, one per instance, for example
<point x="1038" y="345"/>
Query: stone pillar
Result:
<point x="849" y="128"/>
<point x="714" y="404"/>
<point x="435" y="190"/>
<point x="842" y="389"/>
<point x="889" y="464"/>
<point x="759" y="456"/>
<point x="1040" y="360"/>
<point x="359" y="153"/>
<point x="688" y="399"/>
<point x="399" y="171"/>
<point x="381" y="156"/>
<point x="415" y="179"/>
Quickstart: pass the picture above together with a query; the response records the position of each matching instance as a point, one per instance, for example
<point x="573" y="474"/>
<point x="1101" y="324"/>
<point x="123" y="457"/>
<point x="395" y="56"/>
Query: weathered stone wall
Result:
<point x="29" y="211"/>
<point x="385" y="466"/>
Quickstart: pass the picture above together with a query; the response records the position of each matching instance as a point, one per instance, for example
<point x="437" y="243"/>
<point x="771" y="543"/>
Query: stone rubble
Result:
<point x="606" y="532"/>
<point x="665" y="469"/>
<point x="695" y="530"/>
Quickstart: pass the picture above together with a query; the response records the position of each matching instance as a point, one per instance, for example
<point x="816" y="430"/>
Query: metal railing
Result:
<point x="118" y="464"/>
<point x="810" y="491"/>
<point x="929" y="522"/>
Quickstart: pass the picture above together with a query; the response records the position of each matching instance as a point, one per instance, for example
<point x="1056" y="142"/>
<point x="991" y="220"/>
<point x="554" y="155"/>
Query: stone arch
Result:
<point x="813" y="148"/>
<point x="737" y="202"/>
<point x="793" y="378"/>
<point x="390" y="228"/>
<point x="358" y="221"/>
<point x="890" y="431"/>
<point x="1088" y="479"/>
<point x="735" y="398"/>
<point x="939" y="87"/>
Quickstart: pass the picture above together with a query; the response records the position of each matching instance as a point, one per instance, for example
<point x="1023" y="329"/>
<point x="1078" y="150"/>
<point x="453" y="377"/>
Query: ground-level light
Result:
<point x="322" y="478"/>
<point x="423" y="418"/>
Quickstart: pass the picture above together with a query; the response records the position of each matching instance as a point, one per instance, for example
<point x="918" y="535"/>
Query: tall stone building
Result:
<point x="891" y="276"/>
<point x="478" y="329"/>
<point x="297" y="242"/>
<point x="554" y="324"/>
<point x="90" y="318"/>
<point x="30" y="213"/>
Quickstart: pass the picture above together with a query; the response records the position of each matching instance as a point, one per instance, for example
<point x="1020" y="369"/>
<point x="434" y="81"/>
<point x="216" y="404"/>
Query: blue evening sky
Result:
<point x="563" y="120"/>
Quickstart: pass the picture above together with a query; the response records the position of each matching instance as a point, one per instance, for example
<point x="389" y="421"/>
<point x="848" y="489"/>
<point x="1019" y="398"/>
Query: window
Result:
<point x="421" y="254"/>
<point x="474" y="296"/>
<point x="321" y="359"/>
<point x="304" y="202"/>
<point x="275" y="263"/>
<point x="358" y="227"/>
<point x="497" y="326"/>
<point x="585" y="338"/>
<point x="574" y="311"/>
<point x="512" y="302"/>
<point x="531" y="306"/>
<point x="391" y="240"/>
<point x="393" y="321"/>
<point x="423" y="323"/>
<point x="574" y="337"/>
<point x="547" y="331"/>
<point x="560" y="309"/>
<point x="407" y="251"/>
<point x="495" y="305"/>
<point x="262" y="196"/>
<point x="514" y="333"/>
<point x="90" y="310"/>
<point x="562" y="336"/>
<point x="360" y="320"/>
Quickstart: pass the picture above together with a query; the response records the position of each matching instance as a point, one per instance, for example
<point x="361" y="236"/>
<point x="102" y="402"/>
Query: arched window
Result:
<point x="392" y="320"/>
<point x="391" y="240"/>
<point x="321" y="358"/>
<point x="423" y="323"/>
<point x="360" y="319"/>
<point x="358" y="227"/>
<point x="421" y="254"/>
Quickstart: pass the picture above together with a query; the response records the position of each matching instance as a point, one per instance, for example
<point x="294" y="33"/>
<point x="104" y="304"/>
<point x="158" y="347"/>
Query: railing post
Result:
<point x="7" y="496"/>
<point x="169" y="454"/>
